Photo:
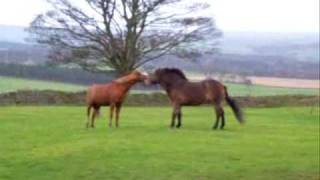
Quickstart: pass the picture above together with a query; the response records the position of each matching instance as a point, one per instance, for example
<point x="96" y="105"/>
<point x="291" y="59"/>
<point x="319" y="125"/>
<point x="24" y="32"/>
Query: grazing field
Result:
<point x="267" y="81"/>
<point x="257" y="90"/>
<point x="285" y="82"/>
<point x="9" y="84"/>
<point x="52" y="143"/>
<point x="14" y="84"/>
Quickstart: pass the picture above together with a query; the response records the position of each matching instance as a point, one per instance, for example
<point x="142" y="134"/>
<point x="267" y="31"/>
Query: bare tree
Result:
<point x="120" y="34"/>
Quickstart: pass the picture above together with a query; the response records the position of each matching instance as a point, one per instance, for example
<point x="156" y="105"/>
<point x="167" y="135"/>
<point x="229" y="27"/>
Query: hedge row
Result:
<point x="154" y="99"/>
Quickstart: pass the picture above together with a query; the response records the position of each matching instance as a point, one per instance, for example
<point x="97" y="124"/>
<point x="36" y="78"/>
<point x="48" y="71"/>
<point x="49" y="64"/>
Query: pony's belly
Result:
<point x="192" y="101"/>
<point x="97" y="103"/>
<point x="105" y="104"/>
<point x="101" y="100"/>
<point x="187" y="99"/>
<point x="191" y="104"/>
<point x="106" y="101"/>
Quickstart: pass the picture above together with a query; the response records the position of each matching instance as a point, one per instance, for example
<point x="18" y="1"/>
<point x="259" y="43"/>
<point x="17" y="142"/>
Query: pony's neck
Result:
<point x="126" y="81"/>
<point x="169" y="84"/>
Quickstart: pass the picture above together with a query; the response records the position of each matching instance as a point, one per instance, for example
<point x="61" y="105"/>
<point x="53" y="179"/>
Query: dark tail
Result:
<point x="234" y="106"/>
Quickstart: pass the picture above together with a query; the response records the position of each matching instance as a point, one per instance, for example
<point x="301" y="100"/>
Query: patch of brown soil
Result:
<point x="285" y="82"/>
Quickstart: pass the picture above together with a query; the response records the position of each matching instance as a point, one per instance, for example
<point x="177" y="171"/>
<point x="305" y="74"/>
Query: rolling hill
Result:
<point x="291" y="55"/>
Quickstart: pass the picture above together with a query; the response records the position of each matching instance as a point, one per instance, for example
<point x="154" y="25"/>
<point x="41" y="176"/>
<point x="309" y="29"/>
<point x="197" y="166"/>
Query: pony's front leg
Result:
<point x="179" y="115"/>
<point x="175" y="114"/>
<point x="219" y="115"/>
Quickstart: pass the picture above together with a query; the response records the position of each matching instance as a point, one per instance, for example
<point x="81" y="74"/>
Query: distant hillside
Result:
<point x="16" y="34"/>
<point x="22" y="53"/>
<point x="297" y="46"/>
<point x="248" y="53"/>
<point x="246" y="65"/>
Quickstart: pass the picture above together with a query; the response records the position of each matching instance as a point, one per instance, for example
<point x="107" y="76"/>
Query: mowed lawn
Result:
<point x="52" y="143"/>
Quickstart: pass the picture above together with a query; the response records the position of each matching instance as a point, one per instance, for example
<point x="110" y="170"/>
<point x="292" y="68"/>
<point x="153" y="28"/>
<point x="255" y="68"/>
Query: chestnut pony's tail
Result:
<point x="234" y="106"/>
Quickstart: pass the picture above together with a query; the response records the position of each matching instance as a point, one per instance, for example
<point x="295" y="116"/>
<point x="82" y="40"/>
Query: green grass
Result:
<point x="52" y="143"/>
<point x="9" y="84"/>
<point x="257" y="90"/>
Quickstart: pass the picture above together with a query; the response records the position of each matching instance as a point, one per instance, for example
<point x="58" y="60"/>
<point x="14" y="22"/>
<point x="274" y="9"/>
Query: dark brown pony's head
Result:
<point x="166" y="75"/>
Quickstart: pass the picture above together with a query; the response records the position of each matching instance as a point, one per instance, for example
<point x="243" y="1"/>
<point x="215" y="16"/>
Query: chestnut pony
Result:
<point x="110" y="94"/>
<point x="182" y="92"/>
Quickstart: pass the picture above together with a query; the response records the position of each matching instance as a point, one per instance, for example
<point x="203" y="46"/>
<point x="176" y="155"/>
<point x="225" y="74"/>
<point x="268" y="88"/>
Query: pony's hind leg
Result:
<point x="111" y="114"/>
<point x="88" y="116"/>
<point x="218" y="115"/>
<point x="94" y="114"/>
<point x="222" y="119"/>
<point x="118" y="108"/>
<point x="215" y="126"/>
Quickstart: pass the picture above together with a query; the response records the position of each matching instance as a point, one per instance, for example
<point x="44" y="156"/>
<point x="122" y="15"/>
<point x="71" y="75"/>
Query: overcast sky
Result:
<point x="230" y="15"/>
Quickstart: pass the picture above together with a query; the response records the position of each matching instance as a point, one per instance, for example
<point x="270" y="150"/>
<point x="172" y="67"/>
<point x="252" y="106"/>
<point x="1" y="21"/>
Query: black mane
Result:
<point x="175" y="71"/>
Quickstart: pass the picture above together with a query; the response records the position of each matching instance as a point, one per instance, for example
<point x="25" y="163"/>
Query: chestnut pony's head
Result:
<point x="134" y="76"/>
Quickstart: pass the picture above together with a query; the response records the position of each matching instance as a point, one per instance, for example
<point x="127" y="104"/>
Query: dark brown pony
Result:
<point x="111" y="94"/>
<point x="182" y="92"/>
